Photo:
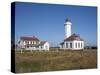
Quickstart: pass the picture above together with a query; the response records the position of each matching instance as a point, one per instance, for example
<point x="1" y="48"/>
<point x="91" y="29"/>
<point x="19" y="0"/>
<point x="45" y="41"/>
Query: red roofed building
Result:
<point x="71" y="41"/>
<point x="32" y="43"/>
<point x="29" y="38"/>
<point x="73" y="37"/>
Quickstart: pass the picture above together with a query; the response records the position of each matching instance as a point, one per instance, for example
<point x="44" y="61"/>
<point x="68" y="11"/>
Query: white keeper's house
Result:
<point x="32" y="43"/>
<point x="71" y="41"/>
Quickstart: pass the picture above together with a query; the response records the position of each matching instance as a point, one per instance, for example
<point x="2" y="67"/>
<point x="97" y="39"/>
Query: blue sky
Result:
<point x="46" y="21"/>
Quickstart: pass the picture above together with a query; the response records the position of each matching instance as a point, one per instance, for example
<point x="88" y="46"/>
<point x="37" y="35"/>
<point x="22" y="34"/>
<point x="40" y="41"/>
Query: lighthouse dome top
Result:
<point x="68" y="19"/>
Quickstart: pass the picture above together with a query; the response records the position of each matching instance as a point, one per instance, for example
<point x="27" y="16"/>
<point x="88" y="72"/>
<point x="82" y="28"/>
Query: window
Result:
<point x="66" y="45"/>
<point x="34" y="42"/>
<point x="78" y="45"/>
<point x="81" y="45"/>
<point x="70" y="45"/>
<point x="29" y="42"/>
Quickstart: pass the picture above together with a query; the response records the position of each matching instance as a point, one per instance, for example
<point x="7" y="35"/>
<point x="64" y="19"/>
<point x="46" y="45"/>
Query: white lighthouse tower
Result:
<point x="67" y="26"/>
<point x="71" y="41"/>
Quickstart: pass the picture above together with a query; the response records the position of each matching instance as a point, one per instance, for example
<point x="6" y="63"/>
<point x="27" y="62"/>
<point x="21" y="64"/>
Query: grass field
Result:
<point x="38" y="61"/>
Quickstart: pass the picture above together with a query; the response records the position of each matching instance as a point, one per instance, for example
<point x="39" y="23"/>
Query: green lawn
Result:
<point x="38" y="61"/>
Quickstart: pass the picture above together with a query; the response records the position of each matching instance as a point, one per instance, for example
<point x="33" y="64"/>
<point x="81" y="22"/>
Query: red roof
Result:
<point x="29" y="38"/>
<point x="73" y="37"/>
